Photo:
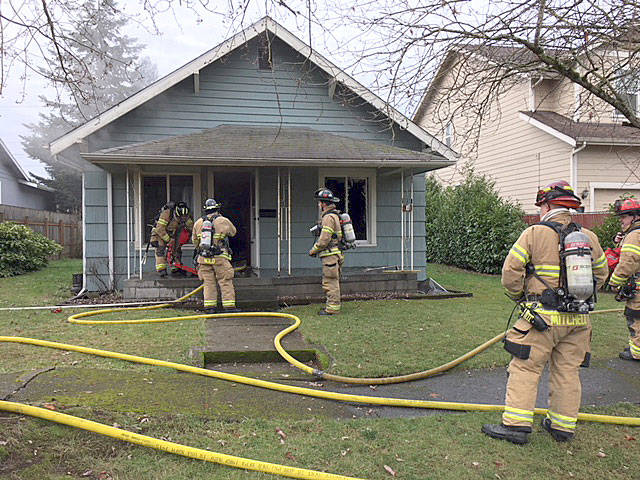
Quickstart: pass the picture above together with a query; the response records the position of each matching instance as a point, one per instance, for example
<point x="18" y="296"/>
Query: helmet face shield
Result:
<point x="559" y="193"/>
<point x="626" y="206"/>
<point x="326" y="195"/>
<point x="182" y="210"/>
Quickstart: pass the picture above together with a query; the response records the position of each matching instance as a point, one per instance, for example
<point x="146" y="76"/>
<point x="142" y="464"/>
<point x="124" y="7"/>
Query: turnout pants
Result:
<point x="217" y="274"/>
<point x="564" y="347"/>
<point x="331" y="269"/>
<point x="633" y="323"/>
<point x="161" y="256"/>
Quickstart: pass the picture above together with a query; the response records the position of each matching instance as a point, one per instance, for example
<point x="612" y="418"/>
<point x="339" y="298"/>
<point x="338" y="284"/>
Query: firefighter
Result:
<point x="327" y="248"/>
<point x="173" y="218"/>
<point x="214" y="258"/>
<point x="543" y="334"/>
<point x="624" y="276"/>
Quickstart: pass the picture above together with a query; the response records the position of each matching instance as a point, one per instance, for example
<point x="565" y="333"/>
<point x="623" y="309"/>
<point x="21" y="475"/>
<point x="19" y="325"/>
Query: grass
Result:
<point x="371" y="338"/>
<point x="392" y="337"/>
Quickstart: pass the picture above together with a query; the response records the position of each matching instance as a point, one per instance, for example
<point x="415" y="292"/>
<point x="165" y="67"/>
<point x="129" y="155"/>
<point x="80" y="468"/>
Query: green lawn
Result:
<point x="371" y="338"/>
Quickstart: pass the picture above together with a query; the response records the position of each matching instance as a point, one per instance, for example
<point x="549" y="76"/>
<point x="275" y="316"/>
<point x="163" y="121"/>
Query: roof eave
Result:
<point x="431" y="164"/>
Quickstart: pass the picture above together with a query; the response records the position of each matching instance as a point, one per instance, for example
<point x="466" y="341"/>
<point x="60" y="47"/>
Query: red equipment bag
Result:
<point x="185" y="236"/>
<point x="613" y="257"/>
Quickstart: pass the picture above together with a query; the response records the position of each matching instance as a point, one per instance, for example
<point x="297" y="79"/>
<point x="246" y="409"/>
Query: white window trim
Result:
<point x="593" y="186"/>
<point x="195" y="208"/>
<point x="370" y="175"/>
<point x="619" y="116"/>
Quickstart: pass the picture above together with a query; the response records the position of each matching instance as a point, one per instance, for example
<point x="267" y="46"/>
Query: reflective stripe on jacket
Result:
<point x="538" y="245"/>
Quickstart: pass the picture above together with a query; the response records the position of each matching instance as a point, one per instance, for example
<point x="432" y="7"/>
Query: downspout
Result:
<point x="84" y="240"/>
<point x="573" y="165"/>
<point x="110" y="228"/>
<point x="532" y="93"/>
<point x="402" y="219"/>
<point x="279" y="221"/>
<point x="140" y="222"/>
<point x="128" y="231"/>
<point x="289" y="220"/>
<point x="257" y="217"/>
<point x="411" y="219"/>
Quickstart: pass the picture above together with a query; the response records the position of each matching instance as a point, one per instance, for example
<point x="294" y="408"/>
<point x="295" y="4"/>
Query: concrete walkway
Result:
<point x="244" y="345"/>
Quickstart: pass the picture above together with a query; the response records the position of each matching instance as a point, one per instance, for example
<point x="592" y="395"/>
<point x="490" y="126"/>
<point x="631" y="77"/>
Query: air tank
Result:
<point x="577" y="254"/>
<point x="347" y="228"/>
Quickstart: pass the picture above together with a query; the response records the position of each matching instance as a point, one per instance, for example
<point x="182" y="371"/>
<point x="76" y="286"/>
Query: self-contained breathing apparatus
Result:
<point x="207" y="247"/>
<point x="348" y="239"/>
<point x="576" y="292"/>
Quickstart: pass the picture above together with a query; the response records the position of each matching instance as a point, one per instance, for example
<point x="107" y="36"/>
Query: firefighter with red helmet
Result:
<point x="172" y="220"/>
<point x="554" y="325"/>
<point x="624" y="275"/>
<point x="210" y="237"/>
<point x="327" y="248"/>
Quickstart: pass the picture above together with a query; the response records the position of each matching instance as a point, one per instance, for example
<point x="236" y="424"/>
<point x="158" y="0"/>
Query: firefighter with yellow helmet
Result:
<point x="552" y="271"/>
<point x="210" y="237"/>
<point x="173" y="218"/>
<point x="327" y="247"/>
<point x="626" y="271"/>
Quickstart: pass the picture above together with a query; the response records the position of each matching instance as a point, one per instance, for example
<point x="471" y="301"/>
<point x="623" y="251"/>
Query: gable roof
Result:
<point x="499" y="56"/>
<point x="22" y="176"/>
<point x="250" y="145"/>
<point x="194" y="66"/>
<point x="574" y="133"/>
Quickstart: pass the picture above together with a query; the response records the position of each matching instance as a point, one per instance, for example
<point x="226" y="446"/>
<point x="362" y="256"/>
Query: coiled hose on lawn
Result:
<point x="238" y="461"/>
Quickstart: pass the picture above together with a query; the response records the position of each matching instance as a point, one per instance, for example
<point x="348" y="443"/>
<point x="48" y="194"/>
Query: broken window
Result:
<point x="353" y="193"/>
<point x="158" y="190"/>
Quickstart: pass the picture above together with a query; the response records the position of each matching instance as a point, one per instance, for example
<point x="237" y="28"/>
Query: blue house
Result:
<point x="258" y="122"/>
<point x="17" y="189"/>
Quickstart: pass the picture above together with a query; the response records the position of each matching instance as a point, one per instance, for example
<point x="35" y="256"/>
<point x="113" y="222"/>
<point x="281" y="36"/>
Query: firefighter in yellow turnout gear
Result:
<point x="624" y="276"/>
<point x="327" y="248"/>
<point x="214" y="258"/>
<point x="173" y="218"/>
<point x="553" y="328"/>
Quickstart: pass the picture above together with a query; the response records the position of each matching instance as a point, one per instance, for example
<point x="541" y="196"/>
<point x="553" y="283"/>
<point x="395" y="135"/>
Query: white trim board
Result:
<point x="265" y="24"/>
<point x="547" y="129"/>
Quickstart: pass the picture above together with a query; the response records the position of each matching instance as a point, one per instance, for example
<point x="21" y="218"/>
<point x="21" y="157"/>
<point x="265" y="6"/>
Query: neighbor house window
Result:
<point x="448" y="134"/>
<point x="157" y="190"/>
<point x="629" y="89"/>
<point x="357" y="198"/>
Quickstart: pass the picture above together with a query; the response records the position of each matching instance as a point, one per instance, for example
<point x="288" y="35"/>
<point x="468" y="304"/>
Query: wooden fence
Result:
<point x="587" y="220"/>
<point x="63" y="228"/>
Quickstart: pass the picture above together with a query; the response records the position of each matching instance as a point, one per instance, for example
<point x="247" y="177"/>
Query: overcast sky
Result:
<point x="183" y="38"/>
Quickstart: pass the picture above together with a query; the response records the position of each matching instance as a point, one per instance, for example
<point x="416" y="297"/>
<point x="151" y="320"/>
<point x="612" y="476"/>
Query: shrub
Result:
<point x="23" y="250"/>
<point x="469" y="225"/>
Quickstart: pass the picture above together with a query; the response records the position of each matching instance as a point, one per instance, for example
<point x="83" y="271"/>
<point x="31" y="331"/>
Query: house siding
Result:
<point x="17" y="195"/>
<point x="507" y="150"/>
<point x="234" y="91"/>
<point x="620" y="169"/>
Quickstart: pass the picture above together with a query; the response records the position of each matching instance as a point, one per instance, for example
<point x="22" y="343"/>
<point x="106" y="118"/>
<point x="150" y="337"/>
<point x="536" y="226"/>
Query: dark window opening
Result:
<point x="154" y="196"/>
<point x="353" y="193"/>
<point x="265" y="60"/>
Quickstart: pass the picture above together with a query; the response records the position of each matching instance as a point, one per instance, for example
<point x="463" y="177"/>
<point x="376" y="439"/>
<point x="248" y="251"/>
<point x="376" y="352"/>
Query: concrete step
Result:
<point x="250" y="340"/>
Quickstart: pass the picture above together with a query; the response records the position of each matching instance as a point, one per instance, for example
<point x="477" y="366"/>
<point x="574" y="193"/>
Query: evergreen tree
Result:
<point x="107" y="69"/>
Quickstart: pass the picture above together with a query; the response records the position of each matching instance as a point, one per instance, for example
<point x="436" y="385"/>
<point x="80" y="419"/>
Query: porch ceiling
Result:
<point x="247" y="145"/>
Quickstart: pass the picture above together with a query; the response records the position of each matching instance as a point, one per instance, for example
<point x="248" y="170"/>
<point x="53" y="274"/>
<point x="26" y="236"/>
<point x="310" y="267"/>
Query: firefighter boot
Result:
<point x="517" y="435"/>
<point x="230" y="309"/>
<point x="558" y="435"/>
<point x="325" y="312"/>
<point x="210" y="310"/>
<point x="626" y="355"/>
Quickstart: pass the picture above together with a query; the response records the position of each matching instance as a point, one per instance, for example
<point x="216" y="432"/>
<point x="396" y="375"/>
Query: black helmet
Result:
<point x="211" y="205"/>
<point x="181" y="209"/>
<point x="326" y="195"/>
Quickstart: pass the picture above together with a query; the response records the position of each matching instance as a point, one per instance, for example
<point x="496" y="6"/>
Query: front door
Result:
<point x="233" y="191"/>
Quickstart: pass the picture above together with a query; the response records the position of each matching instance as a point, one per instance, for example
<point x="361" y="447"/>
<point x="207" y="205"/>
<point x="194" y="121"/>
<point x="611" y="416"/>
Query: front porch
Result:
<point x="268" y="293"/>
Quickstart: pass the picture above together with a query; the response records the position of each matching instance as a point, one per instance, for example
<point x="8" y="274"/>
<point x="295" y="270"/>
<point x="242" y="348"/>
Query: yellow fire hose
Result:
<point x="237" y="461"/>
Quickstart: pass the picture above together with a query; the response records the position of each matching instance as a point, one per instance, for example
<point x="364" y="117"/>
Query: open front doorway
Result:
<point x="233" y="191"/>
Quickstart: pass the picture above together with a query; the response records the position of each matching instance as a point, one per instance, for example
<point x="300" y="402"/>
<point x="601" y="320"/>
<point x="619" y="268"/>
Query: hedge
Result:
<point x="23" y="250"/>
<point x="469" y="225"/>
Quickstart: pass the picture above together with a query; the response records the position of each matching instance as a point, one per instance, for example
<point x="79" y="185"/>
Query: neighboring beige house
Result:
<point x="537" y="128"/>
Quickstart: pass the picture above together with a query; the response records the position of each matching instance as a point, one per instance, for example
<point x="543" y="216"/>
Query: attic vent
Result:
<point x="265" y="61"/>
